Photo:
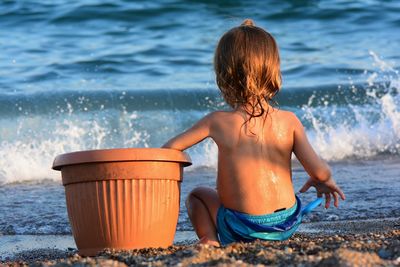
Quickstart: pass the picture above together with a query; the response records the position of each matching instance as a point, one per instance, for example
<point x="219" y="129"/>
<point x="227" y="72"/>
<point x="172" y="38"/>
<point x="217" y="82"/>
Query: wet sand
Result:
<point x="342" y="243"/>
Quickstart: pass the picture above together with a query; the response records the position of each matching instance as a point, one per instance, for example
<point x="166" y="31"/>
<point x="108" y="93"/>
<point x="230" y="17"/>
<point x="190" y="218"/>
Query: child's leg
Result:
<point x="202" y="205"/>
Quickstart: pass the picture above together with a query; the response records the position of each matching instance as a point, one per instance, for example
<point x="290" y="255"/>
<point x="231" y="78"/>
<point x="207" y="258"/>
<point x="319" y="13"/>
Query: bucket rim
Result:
<point x="121" y="154"/>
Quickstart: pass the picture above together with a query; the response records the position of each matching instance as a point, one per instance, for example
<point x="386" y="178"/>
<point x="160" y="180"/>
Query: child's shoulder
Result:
<point x="213" y="117"/>
<point x="219" y="114"/>
<point x="221" y="117"/>
<point x="284" y="114"/>
<point x="287" y="117"/>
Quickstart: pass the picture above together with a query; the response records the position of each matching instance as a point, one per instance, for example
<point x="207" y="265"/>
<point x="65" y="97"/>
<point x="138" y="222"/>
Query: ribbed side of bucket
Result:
<point x="123" y="214"/>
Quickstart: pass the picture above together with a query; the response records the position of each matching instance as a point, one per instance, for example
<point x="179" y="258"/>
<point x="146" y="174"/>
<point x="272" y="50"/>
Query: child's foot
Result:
<point x="206" y="241"/>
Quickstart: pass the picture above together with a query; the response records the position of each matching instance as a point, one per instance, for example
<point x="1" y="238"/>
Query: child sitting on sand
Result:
<point x="255" y="198"/>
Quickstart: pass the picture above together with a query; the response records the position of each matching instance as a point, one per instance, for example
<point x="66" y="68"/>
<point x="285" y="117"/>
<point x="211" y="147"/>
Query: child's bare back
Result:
<point x="255" y="196"/>
<point x="254" y="160"/>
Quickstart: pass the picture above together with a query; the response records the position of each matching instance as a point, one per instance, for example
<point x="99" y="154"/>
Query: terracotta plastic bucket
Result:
<point x="122" y="198"/>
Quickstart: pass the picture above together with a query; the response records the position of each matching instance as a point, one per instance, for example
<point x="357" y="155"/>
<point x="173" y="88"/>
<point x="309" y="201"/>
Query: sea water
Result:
<point x="77" y="75"/>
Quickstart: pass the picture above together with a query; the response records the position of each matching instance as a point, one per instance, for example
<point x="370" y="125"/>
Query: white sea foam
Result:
<point x="29" y="154"/>
<point x="368" y="129"/>
<point x="29" y="143"/>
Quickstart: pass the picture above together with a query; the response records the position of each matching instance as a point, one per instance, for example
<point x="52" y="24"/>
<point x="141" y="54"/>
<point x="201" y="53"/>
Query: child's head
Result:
<point x="247" y="67"/>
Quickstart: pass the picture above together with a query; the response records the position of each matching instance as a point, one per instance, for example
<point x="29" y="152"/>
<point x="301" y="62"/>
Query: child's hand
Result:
<point x="328" y="188"/>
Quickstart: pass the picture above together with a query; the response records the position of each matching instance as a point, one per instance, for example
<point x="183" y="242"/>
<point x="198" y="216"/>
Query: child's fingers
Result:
<point x="341" y="194"/>
<point x="336" y="199"/>
<point x="327" y="200"/>
<point x="305" y="187"/>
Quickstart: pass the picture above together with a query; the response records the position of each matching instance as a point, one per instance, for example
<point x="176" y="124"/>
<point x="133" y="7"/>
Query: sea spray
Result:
<point x="363" y="124"/>
<point x="359" y="131"/>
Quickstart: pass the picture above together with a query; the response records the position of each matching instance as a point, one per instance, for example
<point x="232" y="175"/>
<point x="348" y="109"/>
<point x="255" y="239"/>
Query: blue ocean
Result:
<point x="77" y="75"/>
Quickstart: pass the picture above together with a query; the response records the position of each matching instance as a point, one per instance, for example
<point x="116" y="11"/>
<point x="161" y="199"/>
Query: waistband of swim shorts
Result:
<point x="271" y="218"/>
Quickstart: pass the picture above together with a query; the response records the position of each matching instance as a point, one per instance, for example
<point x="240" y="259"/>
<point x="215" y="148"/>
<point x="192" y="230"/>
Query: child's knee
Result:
<point x="187" y="202"/>
<point x="197" y="194"/>
<point x="201" y="192"/>
<point x="194" y="194"/>
<point x="190" y="198"/>
<point x="197" y="190"/>
<point x="192" y="202"/>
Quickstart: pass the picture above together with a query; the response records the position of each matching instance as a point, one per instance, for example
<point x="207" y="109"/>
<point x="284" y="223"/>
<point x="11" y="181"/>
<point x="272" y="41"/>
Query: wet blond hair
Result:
<point x="247" y="67"/>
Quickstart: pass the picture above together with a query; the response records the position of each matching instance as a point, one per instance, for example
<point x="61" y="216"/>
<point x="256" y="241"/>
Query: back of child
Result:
<point x="255" y="197"/>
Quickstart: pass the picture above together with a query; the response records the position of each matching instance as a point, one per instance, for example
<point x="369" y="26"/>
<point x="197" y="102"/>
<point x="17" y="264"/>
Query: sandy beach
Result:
<point x="343" y="243"/>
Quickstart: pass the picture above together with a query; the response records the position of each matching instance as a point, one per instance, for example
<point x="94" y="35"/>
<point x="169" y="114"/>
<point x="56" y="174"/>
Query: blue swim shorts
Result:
<point x="234" y="226"/>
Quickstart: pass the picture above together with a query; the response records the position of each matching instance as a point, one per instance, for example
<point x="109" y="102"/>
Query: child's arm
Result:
<point x="319" y="171"/>
<point x="192" y="136"/>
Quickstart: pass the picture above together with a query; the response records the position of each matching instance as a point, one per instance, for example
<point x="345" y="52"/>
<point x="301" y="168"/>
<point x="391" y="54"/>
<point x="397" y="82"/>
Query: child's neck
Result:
<point x="254" y="107"/>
